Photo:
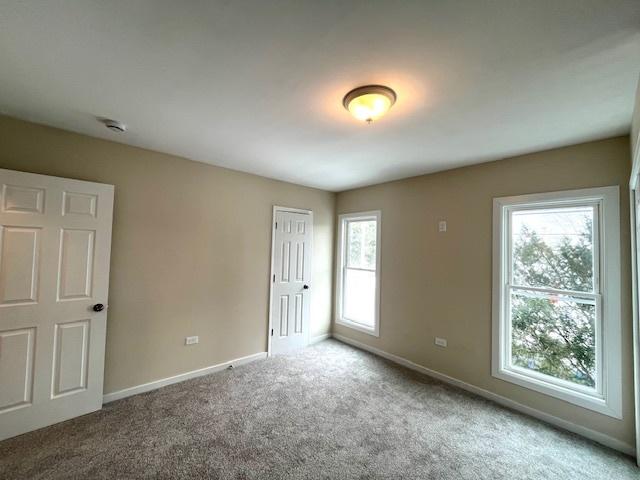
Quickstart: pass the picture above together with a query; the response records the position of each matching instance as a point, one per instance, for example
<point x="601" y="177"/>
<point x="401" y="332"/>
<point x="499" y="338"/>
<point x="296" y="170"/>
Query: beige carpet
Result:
<point x="330" y="411"/>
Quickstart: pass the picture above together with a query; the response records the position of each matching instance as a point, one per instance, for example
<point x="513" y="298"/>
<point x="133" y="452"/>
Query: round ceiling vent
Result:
<point x="114" y="125"/>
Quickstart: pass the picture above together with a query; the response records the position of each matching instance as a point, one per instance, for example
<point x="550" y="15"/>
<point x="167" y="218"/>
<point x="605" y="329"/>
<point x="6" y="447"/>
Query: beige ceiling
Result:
<point x="257" y="85"/>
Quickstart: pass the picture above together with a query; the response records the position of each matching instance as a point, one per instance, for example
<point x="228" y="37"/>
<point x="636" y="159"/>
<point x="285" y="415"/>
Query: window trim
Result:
<point x="608" y="396"/>
<point x="340" y="264"/>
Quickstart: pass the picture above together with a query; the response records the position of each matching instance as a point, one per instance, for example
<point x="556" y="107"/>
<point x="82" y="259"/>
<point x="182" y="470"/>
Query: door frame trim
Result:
<point x="634" y="191"/>
<point x="276" y="209"/>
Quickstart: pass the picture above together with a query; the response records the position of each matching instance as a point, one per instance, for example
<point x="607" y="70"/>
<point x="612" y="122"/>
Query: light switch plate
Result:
<point x="191" y="340"/>
<point x="442" y="226"/>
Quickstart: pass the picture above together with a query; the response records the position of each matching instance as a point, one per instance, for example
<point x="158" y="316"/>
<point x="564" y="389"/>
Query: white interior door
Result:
<point x="55" y="243"/>
<point x="291" y="279"/>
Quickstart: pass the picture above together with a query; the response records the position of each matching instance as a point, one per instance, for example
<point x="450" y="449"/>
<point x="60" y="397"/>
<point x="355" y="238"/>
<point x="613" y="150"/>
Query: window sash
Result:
<point x="359" y="269"/>
<point x="554" y="291"/>
<point x="595" y="205"/>
<point x="585" y="298"/>
<point x="544" y="292"/>
<point x="347" y="256"/>
<point x="344" y="290"/>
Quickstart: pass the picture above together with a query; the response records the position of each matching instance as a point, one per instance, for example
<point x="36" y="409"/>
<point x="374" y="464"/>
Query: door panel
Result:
<point x="284" y="316"/>
<point x="299" y="261"/>
<point x="20" y="249"/>
<point x="55" y="243"/>
<point x="298" y="310"/>
<point x="71" y="350"/>
<point x="292" y="255"/>
<point x="16" y="369"/>
<point x="19" y="199"/>
<point x="76" y="264"/>
<point x="79" y="204"/>
<point x="286" y="262"/>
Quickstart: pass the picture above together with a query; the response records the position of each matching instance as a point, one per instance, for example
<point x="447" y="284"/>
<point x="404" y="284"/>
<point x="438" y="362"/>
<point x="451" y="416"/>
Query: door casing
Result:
<point x="634" y="206"/>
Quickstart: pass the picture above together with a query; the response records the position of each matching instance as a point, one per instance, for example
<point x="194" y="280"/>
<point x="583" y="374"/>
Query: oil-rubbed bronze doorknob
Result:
<point x="98" y="307"/>
<point x="306" y="287"/>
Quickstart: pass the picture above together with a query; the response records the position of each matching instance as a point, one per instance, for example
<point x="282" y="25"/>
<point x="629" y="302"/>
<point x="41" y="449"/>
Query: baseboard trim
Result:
<point x="598" y="437"/>
<point x="319" y="338"/>
<point x="163" y="382"/>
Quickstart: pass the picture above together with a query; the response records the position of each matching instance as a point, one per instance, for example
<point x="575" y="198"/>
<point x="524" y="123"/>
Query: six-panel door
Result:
<point x="290" y="308"/>
<point x="55" y="237"/>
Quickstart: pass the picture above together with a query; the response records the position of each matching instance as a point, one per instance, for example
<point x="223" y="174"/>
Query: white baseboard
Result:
<point x="601" y="438"/>
<point x="146" y="387"/>
<point x="319" y="338"/>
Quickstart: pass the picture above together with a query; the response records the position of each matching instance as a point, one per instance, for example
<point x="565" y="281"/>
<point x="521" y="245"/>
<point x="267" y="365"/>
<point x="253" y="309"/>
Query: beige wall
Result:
<point x="440" y="283"/>
<point x="191" y="256"/>
<point x="191" y="250"/>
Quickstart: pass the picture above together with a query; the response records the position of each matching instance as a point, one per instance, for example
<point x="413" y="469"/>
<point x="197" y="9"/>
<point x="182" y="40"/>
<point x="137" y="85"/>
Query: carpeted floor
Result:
<point x="329" y="411"/>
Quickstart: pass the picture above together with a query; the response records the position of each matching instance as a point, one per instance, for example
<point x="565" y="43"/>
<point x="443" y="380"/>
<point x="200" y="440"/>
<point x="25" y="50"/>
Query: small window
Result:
<point x="358" y="264"/>
<point x="557" y="295"/>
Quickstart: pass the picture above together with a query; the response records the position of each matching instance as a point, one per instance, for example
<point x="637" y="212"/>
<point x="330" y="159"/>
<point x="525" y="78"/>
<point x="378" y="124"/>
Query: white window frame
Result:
<point x="606" y="398"/>
<point x="341" y="266"/>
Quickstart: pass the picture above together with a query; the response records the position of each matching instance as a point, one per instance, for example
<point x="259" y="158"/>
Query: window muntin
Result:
<point x="357" y="289"/>
<point x="553" y="294"/>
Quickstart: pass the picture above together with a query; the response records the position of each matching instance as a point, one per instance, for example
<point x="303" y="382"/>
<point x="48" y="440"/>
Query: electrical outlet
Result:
<point x="442" y="226"/>
<point x="191" y="340"/>
<point x="441" y="342"/>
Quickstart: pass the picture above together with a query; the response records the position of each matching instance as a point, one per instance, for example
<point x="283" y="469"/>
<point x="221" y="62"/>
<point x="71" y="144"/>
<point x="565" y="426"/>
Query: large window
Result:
<point x="358" y="266"/>
<point x="557" y="295"/>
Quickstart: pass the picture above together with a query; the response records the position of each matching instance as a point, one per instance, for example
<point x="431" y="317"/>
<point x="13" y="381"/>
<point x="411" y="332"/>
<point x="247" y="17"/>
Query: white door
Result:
<point x="291" y="279"/>
<point x="55" y="242"/>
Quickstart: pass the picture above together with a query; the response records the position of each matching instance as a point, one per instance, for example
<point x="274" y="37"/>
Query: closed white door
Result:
<point x="55" y="243"/>
<point x="291" y="279"/>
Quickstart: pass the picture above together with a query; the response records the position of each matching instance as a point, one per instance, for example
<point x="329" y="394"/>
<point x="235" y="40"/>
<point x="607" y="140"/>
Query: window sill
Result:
<point x="584" y="400"/>
<point x="356" y="326"/>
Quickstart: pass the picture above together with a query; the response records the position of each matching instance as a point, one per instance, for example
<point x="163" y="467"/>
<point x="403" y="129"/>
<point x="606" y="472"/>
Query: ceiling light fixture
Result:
<point x="370" y="102"/>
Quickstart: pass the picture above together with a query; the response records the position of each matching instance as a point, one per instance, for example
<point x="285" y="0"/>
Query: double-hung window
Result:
<point x="358" y="273"/>
<point x="557" y="295"/>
